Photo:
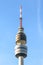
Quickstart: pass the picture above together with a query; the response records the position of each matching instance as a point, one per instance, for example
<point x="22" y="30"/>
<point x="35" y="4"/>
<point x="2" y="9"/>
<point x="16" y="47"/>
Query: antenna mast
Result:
<point x="20" y="16"/>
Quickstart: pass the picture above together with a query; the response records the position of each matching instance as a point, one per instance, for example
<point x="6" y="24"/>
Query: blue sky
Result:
<point x="33" y="27"/>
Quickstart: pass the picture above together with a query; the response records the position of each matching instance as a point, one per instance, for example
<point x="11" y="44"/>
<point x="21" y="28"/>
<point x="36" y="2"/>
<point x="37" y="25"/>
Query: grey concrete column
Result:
<point x="21" y="60"/>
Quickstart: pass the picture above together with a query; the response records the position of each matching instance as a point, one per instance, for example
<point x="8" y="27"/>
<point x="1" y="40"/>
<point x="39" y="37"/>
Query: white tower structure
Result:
<point x="21" y="48"/>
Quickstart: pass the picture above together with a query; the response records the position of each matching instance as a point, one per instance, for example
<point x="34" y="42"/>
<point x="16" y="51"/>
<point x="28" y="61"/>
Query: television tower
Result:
<point x="21" y="48"/>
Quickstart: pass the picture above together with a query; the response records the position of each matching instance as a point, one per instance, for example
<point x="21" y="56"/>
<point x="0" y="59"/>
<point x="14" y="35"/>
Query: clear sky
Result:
<point x="33" y="28"/>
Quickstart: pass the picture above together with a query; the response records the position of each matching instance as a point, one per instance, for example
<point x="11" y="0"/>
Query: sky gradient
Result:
<point x="32" y="14"/>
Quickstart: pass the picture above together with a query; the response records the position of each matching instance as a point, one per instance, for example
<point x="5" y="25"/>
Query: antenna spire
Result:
<point x="20" y="11"/>
<point x="20" y="16"/>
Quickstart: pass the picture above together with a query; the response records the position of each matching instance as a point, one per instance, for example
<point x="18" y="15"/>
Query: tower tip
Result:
<point x="21" y="11"/>
<point x="21" y="16"/>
